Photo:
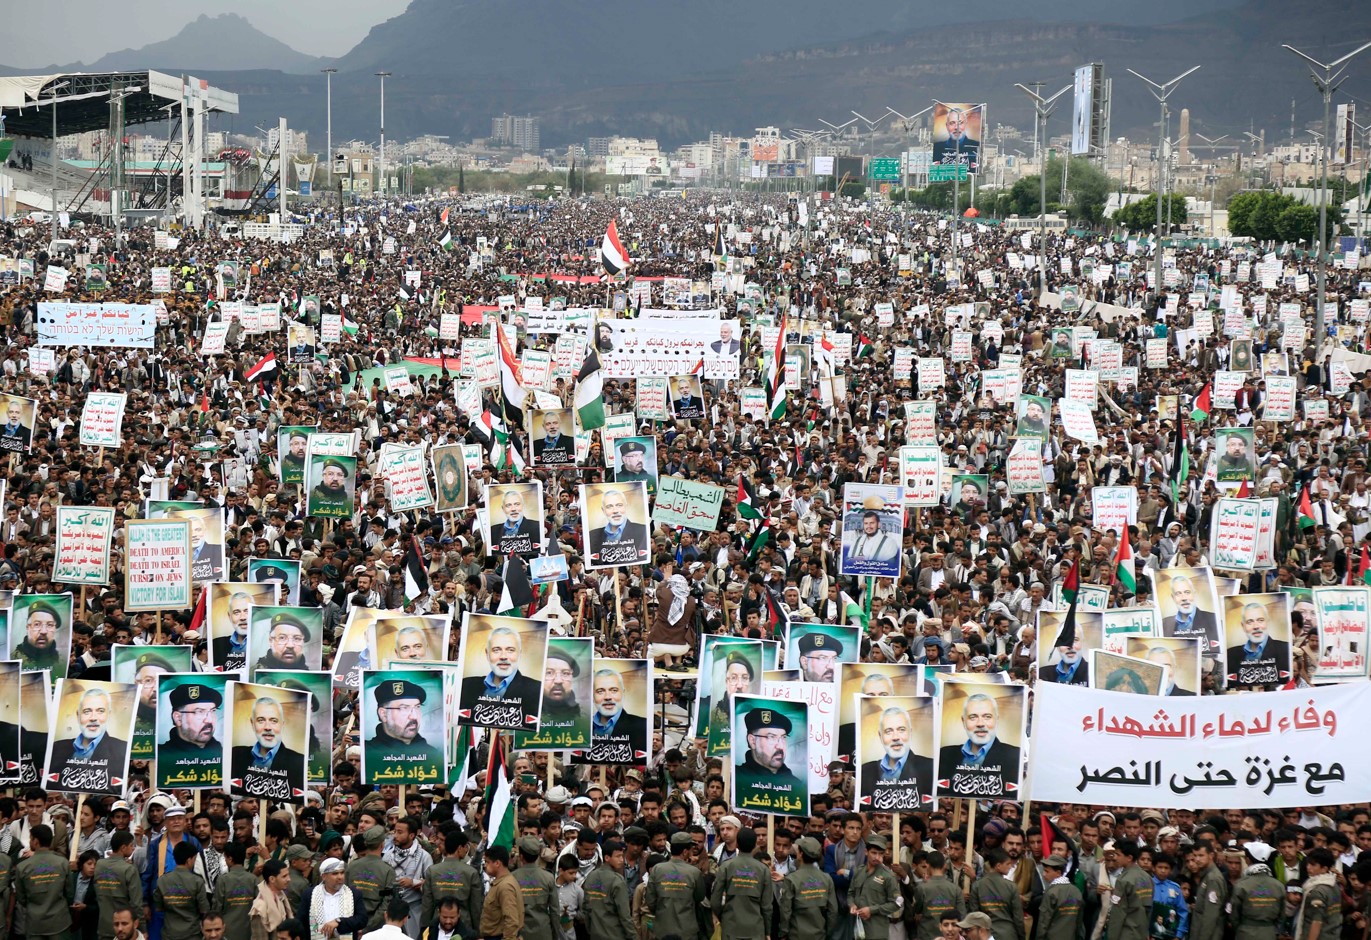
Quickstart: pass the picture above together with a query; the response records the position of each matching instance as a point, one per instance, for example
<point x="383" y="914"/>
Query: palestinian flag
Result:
<point x="443" y="216"/>
<point x="197" y="619"/>
<point x="499" y="796"/>
<point x="416" y="573"/>
<point x="1180" y="462"/>
<point x="1363" y="569"/>
<point x="492" y="434"/>
<point x="1123" y="565"/>
<point x="1306" y="516"/>
<point x="775" y="377"/>
<point x="1203" y="405"/>
<point x="1067" y="636"/>
<point x="265" y="366"/>
<point x="760" y="539"/>
<point x="774" y="619"/>
<point x="589" y="395"/>
<point x="446" y="241"/>
<point x="1053" y="836"/>
<point x="517" y="593"/>
<point x="720" y="251"/>
<point x="460" y="772"/>
<point x="1071" y="584"/>
<point x="511" y="382"/>
<point x="747" y="500"/>
<point x="612" y="255"/>
<point x="864" y="346"/>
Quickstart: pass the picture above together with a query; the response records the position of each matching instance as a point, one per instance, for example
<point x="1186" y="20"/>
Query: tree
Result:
<point x="856" y="189"/>
<point x="1270" y="216"/>
<point x="1087" y="188"/>
<point x="1141" y="216"/>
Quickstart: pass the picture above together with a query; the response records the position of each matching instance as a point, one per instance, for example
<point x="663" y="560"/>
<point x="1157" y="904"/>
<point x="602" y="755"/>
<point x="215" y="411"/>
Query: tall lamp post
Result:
<point x="908" y="124"/>
<point x="1042" y="107"/>
<point x="52" y="102"/>
<point x="1161" y="93"/>
<point x="1213" y="179"/>
<point x="1327" y="78"/>
<point x="328" y="120"/>
<point x="382" y="174"/>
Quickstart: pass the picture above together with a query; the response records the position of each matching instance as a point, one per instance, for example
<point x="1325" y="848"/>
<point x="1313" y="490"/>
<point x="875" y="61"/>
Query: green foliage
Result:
<point x="856" y="189"/>
<point x="1271" y="216"/>
<point x="935" y="196"/>
<point x="1141" y="216"/>
<point x="1087" y="188"/>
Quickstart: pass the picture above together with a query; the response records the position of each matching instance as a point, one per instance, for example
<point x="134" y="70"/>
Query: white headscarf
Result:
<point x="680" y="590"/>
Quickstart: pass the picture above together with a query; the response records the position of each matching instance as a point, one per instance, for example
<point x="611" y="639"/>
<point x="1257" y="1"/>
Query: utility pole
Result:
<point x="1042" y="108"/>
<point x="52" y="102"/>
<point x="328" y="118"/>
<point x="382" y="175"/>
<point x="1161" y="93"/>
<point x="1327" y="78"/>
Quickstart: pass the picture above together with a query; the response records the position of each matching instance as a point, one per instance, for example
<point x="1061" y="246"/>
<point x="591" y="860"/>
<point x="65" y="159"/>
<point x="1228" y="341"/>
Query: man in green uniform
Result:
<point x="234" y="891"/>
<point x="397" y="740"/>
<point x="1130" y="903"/>
<point x="741" y="898"/>
<point x="299" y="866"/>
<point x="1320" y="916"/>
<point x="329" y="497"/>
<point x="1210" y="897"/>
<point x="874" y="895"/>
<point x="809" y="905"/>
<point x="607" y="907"/>
<point x="1059" y="915"/>
<point x="764" y="767"/>
<point x="453" y="878"/>
<point x="675" y="895"/>
<point x="42" y="889"/>
<point x="180" y="896"/>
<point x="149" y="668"/>
<point x="1255" y="905"/>
<point x="373" y="878"/>
<point x="934" y="898"/>
<point x="539" y="890"/>
<point x="994" y="895"/>
<point x="117" y="883"/>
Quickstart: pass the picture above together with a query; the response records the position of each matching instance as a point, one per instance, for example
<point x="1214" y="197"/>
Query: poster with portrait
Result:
<point x="869" y="679"/>
<point x="705" y="683"/>
<point x="516" y="518"/>
<point x="265" y="748"/>
<point x="11" y="677"/>
<point x="1115" y="672"/>
<point x="1257" y="640"/>
<point x="635" y="461"/>
<point x="281" y="573"/>
<point x="552" y="435"/>
<point x="616" y="522"/>
<point x="1180" y="655"/>
<point x="206" y="537"/>
<point x="872" y="530"/>
<point x="143" y="667"/>
<point x="16" y="433"/>
<point x="1060" y="347"/>
<point x="282" y="637"/>
<point x="88" y="749"/>
<point x="97" y="277"/>
<point x="501" y="662"/>
<point x="567" y="697"/>
<point x="320" y="687"/>
<point x="449" y="477"/>
<point x="302" y="344"/>
<point x="35" y="704"/>
<point x="895" y="753"/>
<point x="957" y="132"/>
<point x="1033" y="415"/>
<point x="230" y="606"/>
<point x="818" y="649"/>
<point x="190" y="716"/>
<point x="620" y="721"/>
<point x="354" y="650"/>
<point x="770" y="755"/>
<point x="1237" y="452"/>
<point x="734" y="669"/>
<point x="982" y="729"/>
<point x="969" y="492"/>
<point x="394" y="641"/>
<point x="332" y="485"/>
<point x="40" y="632"/>
<point x="687" y="399"/>
<point x="403" y="730"/>
<point x="1189" y="604"/>
<point x="1067" y="665"/>
<point x="292" y="445"/>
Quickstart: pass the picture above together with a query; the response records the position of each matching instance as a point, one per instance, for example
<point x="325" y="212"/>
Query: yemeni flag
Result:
<point x="775" y="377"/>
<point x="1123" y="565"/>
<point x="747" y="500"/>
<point x="590" y="394"/>
<point x="612" y="255"/>
<point x="416" y="573"/>
<point x="1203" y="405"/>
<point x="864" y="346"/>
<point x="446" y="241"/>
<point x="760" y="539"/>
<point x="517" y="594"/>
<point x="264" y="368"/>
<point x="499" y="796"/>
<point x="1306" y="516"/>
<point x="1244" y="490"/>
<point x="1180" y="462"/>
<point x="512" y="390"/>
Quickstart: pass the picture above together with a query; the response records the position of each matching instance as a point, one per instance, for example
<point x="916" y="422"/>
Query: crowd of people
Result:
<point x="657" y="849"/>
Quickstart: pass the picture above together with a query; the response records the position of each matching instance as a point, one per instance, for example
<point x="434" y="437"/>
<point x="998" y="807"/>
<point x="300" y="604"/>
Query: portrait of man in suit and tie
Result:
<point x="615" y="517"/>
<point x="1187" y="600"/>
<point x="16" y="434"/>
<point x="500" y="657"/>
<point x="555" y="446"/>
<point x="726" y="344"/>
<point x="985" y="725"/>
<point x="89" y="750"/>
<point x="516" y="518"/>
<point x="872" y="535"/>
<point x="1257" y="637"/>
<point x="270" y="728"/>
<point x="897" y="767"/>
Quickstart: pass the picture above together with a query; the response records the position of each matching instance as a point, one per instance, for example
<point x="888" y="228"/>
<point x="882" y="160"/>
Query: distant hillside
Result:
<point x="223" y="42"/>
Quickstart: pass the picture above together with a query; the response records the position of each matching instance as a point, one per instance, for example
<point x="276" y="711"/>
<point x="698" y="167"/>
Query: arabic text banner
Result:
<point x="1269" y="751"/>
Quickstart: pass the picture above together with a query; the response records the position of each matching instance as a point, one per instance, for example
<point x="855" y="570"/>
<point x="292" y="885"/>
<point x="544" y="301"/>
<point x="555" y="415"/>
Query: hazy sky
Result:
<point x="65" y="31"/>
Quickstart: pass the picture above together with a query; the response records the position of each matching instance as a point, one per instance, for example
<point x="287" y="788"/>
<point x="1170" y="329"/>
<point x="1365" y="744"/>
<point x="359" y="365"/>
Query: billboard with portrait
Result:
<point x="265" y="749"/>
<point x="190" y="715"/>
<point x="616" y="522"/>
<point x="770" y="755"/>
<point x="403" y="726"/>
<point x="895" y="753"/>
<point x="957" y="130"/>
<point x="229" y="608"/>
<point x="1257" y="640"/>
<point x="516" y="518"/>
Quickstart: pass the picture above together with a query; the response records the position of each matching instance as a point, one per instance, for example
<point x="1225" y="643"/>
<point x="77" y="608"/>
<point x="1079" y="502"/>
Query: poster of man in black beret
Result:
<point x="565" y="720"/>
<point x="770" y="756"/>
<point x="402" y="721"/>
<point x="88" y="750"/>
<point x="190" y="749"/>
<point x="635" y="461"/>
<point x="265" y="750"/>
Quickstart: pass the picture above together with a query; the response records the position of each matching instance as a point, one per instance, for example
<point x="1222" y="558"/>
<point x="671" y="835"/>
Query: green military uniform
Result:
<point x="809" y="905"/>
<point x="42" y="891"/>
<point x="373" y="879"/>
<point x="878" y="890"/>
<point x="33" y="659"/>
<point x="453" y="878"/>
<point x="995" y="896"/>
<point x="234" y="891"/>
<point x="1322" y="905"/>
<point x="742" y="898"/>
<point x="7" y="888"/>
<point x="1059" y="914"/>
<point x="674" y="897"/>
<point x="1130" y="905"/>
<point x="296" y="888"/>
<point x="1256" y="905"/>
<point x="541" y="907"/>
<point x="607" y="907"/>
<point x="180" y="896"/>
<point x="932" y="899"/>
<point x="1208" y="904"/>
<point x="117" y="884"/>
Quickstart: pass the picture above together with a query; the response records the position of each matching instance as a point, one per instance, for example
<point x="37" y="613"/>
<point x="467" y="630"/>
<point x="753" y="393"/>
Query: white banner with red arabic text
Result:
<point x="1271" y="750"/>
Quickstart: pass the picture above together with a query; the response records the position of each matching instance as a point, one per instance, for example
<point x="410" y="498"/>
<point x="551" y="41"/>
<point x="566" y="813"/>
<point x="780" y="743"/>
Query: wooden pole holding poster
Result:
<point x="580" y="614"/>
<point x="618" y="611"/>
<point x="75" y="833"/>
<point x="159" y="628"/>
<point x="771" y="836"/>
<point x="895" y="838"/>
<point x="970" y="829"/>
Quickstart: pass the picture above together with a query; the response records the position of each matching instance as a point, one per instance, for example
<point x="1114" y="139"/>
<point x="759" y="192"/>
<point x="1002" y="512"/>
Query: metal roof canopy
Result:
<point x="20" y="97"/>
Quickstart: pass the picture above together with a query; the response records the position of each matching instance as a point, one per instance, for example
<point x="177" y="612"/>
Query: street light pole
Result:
<point x="328" y="118"/>
<point x="1161" y="93"/>
<point x="53" y="102"/>
<point x="1042" y="108"/>
<point x="1327" y="78"/>
<point x="382" y="174"/>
